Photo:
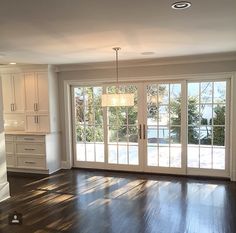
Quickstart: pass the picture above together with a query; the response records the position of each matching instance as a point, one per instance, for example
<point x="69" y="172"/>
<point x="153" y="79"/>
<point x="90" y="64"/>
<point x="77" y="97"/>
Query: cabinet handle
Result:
<point x="11" y="107"/>
<point x="36" y="119"/>
<point x="144" y="131"/>
<point x="35" y="107"/>
<point x="14" y="107"/>
<point x="140" y="131"/>
<point x="30" y="162"/>
<point x="29" y="149"/>
<point x="29" y="139"/>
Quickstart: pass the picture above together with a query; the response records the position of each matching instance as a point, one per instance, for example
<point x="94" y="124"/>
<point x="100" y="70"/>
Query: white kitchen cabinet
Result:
<point x="13" y="93"/>
<point x="33" y="153"/>
<point x="36" y="92"/>
<point x="37" y="123"/>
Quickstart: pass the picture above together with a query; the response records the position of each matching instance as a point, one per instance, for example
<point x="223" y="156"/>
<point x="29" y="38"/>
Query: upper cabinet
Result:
<point x="36" y="93"/>
<point x="30" y="99"/>
<point x="13" y="93"/>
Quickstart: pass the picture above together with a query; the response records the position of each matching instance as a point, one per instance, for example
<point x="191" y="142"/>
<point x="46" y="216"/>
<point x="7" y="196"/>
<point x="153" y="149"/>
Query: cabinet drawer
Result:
<point x="9" y="147"/>
<point x="31" y="162"/>
<point x="30" y="148"/>
<point x="9" y="138"/>
<point x="10" y="160"/>
<point x="30" y="138"/>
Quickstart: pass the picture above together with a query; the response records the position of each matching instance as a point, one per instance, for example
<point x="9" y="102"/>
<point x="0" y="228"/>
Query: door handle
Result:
<point x="144" y="131"/>
<point x="140" y="131"/>
<point x="35" y="107"/>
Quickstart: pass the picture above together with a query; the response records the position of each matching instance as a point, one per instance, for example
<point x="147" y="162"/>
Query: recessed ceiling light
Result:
<point x="12" y="63"/>
<point x="181" y="5"/>
<point x="147" y="53"/>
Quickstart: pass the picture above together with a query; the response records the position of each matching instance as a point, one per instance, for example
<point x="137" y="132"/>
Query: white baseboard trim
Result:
<point x="4" y="191"/>
<point x="65" y="165"/>
<point x="233" y="176"/>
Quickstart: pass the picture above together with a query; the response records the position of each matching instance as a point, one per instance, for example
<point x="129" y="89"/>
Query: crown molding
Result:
<point x="22" y="68"/>
<point x="150" y="62"/>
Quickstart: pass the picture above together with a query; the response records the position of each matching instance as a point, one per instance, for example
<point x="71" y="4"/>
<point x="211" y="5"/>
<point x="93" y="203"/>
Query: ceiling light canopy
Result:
<point x="181" y="5"/>
<point x="117" y="99"/>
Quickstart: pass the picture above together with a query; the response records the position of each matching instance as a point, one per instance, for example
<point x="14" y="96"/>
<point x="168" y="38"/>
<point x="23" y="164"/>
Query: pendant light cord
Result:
<point x="117" y="69"/>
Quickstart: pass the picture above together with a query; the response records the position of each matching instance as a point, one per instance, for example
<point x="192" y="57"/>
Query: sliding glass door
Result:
<point x="164" y="125"/>
<point x="176" y="127"/>
<point x="208" y="120"/>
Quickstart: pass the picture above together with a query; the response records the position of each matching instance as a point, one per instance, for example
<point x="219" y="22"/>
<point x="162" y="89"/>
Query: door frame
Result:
<point x="68" y="163"/>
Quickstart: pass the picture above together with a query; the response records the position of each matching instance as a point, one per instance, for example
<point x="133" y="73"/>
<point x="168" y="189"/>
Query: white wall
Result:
<point x="4" y="185"/>
<point x="144" y="71"/>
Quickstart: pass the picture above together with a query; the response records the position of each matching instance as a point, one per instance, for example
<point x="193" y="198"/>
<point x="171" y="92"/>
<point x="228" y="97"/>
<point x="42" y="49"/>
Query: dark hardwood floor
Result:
<point x="101" y="202"/>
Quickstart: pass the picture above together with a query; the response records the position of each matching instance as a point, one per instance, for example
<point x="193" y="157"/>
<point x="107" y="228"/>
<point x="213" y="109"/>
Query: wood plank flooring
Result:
<point x="85" y="201"/>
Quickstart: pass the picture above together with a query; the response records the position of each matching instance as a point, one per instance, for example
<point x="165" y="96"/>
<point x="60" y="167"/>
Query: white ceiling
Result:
<point x="80" y="31"/>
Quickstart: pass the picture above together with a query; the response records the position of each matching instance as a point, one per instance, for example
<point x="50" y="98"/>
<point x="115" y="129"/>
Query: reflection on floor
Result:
<point x="101" y="202"/>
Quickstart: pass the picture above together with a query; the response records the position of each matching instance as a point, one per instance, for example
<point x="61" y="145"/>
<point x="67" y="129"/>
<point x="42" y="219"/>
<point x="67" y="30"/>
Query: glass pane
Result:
<point x="98" y="116"/>
<point x="206" y="92"/>
<point x="193" y="92"/>
<point x="206" y="135"/>
<point x="152" y="135"/>
<point x="193" y="112"/>
<point x="175" y="135"/>
<point x="123" y="157"/>
<point x="90" y="152"/>
<point x="80" y="151"/>
<point x="175" y="112"/>
<point x="133" y="134"/>
<point x="206" y="114"/>
<point x="123" y="134"/>
<point x="220" y="92"/>
<point x="90" y="134"/>
<point x="163" y="115"/>
<point x="112" y="153"/>
<point x="133" y="116"/>
<point x="163" y="135"/>
<point x="152" y="158"/>
<point x="98" y="131"/>
<point x="175" y="92"/>
<point x="219" y="136"/>
<point x="193" y="156"/>
<point x="175" y="156"/>
<point x="164" y="156"/>
<point x="113" y="134"/>
<point x="133" y="155"/>
<point x="163" y="94"/>
<point x="219" y="157"/>
<point x="152" y="114"/>
<point x="219" y="114"/>
<point x="193" y="135"/>
<point x="99" y="150"/>
<point x="80" y="133"/>
<point x="205" y="157"/>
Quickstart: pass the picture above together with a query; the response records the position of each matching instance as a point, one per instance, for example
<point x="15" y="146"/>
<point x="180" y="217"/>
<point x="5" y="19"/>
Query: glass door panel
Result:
<point x="163" y="120"/>
<point x="89" y="129"/>
<point x="122" y="130"/>
<point x="207" y="125"/>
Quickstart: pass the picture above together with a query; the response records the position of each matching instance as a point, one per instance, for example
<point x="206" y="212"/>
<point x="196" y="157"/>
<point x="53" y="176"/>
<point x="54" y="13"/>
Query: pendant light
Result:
<point x="117" y="99"/>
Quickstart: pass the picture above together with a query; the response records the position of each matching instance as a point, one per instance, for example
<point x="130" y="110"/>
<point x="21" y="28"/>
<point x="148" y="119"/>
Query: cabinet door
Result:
<point x="42" y="93"/>
<point x="31" y="124"/>
<point x="7" y="92"/>
<point x="30" y="92"/>
<point x="43" y="122"/>
<point x="19" y="93"/>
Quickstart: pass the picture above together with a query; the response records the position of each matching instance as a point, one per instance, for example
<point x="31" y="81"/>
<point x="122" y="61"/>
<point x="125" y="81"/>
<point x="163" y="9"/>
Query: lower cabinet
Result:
<point x="37" y="153"/>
